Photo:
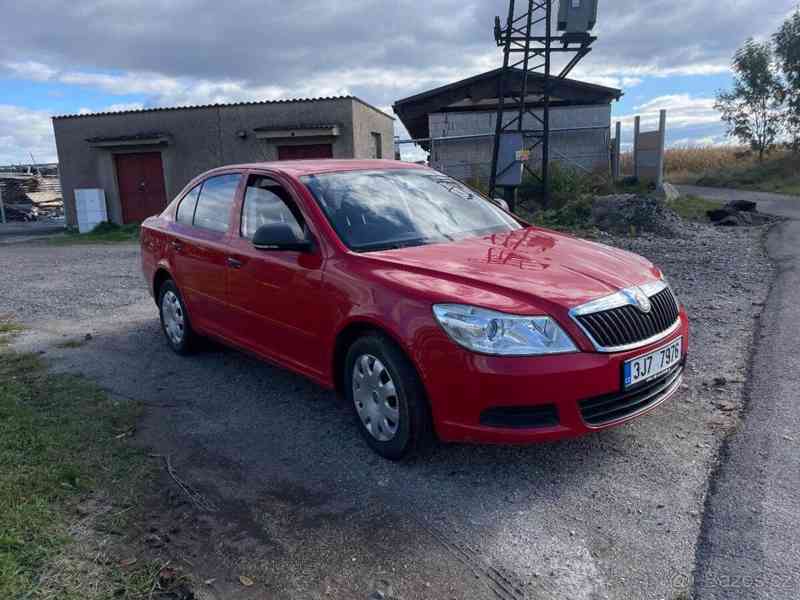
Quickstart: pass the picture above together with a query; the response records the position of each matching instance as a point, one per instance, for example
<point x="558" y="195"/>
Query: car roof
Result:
<point x="299" y="168"/>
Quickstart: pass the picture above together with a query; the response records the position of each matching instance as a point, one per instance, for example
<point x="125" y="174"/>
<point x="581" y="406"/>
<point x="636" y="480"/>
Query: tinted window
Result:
<point x="186" y="207"/>
<point x="266" y="202"/>
<point x="214" y="206"/>
<point x="378" y="210"/>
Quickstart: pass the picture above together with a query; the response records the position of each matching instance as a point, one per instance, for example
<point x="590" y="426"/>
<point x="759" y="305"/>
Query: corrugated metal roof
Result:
<point x="219" y="105"/>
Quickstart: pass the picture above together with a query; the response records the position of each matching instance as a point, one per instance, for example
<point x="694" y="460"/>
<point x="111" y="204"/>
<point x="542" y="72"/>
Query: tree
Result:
<point x="787" y="51"/>
<point x="752" y="109"/>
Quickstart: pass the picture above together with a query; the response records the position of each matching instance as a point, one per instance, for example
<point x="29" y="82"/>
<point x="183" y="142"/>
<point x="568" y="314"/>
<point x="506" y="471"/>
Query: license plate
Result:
<point x="652" y="365"/>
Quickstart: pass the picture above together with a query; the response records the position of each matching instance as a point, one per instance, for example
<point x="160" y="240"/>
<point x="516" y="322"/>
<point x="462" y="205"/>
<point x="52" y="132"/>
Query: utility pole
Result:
<point x="528" y="32"/>
<point x="2" y="209"/>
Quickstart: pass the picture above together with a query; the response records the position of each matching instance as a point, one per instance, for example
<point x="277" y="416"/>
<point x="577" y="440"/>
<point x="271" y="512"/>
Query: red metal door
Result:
<point x="141" y="185"/>
<point x="305" y="152"/>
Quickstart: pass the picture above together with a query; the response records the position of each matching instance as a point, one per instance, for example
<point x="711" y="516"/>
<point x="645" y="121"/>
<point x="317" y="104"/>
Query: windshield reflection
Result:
<point x="380" y="210"/>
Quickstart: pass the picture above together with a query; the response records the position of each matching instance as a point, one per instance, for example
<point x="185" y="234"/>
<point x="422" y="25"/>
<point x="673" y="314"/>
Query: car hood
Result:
<point x="536" y="267"/>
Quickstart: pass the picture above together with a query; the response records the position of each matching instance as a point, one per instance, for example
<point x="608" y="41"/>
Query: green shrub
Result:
<point x="574" y="215"/>
<point x="566" y="185"/>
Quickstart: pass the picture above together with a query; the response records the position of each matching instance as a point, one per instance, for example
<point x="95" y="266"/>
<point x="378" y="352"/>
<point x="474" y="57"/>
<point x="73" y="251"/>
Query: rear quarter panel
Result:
<point x="154" y="242"/>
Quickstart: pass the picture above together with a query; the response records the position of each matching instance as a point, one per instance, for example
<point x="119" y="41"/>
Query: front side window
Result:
<point x="186" y="207"/>
<point x="380" y="210"/>
<point x="266" y="202"/>
<point x="214" y="204"/>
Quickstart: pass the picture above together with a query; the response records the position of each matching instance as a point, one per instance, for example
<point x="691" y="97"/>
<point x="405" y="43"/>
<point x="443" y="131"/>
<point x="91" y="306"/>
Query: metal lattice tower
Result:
<point x="529" y="45"/>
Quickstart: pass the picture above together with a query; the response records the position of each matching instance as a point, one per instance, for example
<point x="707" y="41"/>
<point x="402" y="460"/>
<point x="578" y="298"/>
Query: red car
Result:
<point x="431" y="309"/>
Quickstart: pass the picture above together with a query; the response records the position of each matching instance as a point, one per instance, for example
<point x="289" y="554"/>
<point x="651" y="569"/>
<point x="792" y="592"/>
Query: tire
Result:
<point x="387" y="397"/>
<point x="175" y="319"/>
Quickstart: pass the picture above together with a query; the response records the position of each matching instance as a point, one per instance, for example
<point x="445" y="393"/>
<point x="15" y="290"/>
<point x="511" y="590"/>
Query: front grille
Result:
<point x="627" y="325"/>
<point x="521" y="417"/>
<point x="605" y="409"/>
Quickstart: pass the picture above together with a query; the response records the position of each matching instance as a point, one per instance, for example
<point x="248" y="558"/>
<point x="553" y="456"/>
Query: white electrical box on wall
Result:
<point x="90" y="204"/>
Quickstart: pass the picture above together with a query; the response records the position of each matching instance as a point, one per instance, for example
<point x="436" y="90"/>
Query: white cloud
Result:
<point x="703" y="142"/>
<point x="24" y="132"/>
<point x="683" y="110"/>
<point x="30" y="70"/>
<point x="124" y="107"/>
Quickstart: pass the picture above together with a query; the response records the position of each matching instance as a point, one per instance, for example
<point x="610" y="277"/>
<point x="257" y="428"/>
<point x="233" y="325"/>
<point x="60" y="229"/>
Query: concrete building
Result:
<point x="580" y="122"/>
<point x="142" y="159"/>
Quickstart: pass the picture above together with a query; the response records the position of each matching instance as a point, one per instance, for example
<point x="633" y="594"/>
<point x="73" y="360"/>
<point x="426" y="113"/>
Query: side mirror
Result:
<point x="281" y="237"/>
<point x="501" y="203"/>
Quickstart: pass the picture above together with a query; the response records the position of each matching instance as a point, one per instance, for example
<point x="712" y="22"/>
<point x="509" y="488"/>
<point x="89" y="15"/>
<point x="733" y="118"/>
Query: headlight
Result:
<point x="490" y="332"/>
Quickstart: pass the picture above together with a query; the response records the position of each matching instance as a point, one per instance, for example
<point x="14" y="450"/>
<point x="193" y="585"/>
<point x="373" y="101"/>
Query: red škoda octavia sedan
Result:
<point x="431" y="309"/>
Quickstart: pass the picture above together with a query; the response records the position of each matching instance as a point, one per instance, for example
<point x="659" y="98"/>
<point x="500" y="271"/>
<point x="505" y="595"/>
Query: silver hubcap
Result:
<point x="172" y="313"/>
<point x="375" y="398"/>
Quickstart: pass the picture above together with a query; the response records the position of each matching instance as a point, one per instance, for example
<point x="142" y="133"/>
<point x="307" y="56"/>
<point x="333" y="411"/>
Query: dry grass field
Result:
<point x="734" y="167"/>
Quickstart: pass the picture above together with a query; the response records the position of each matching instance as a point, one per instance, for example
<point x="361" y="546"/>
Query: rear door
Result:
<point x="276" y="295"/>
<point x="200" y="250"/>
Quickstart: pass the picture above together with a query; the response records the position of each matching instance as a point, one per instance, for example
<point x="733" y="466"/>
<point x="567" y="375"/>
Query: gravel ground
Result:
<point x="306" y="510"/>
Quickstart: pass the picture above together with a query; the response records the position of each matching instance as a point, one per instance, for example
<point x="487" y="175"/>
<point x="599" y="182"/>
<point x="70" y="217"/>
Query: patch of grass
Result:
<point x="102" y="234"/>
<point x="61" y="442"/>
<point x="8" y="330"/>
<point x="694" y="208"/>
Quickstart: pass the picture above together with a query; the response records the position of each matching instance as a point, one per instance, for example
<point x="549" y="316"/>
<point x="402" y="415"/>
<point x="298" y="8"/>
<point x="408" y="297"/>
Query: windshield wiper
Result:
<point x="379" y="246"/>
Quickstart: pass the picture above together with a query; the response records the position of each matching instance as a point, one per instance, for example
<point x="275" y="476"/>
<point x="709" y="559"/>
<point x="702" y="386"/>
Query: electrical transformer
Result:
<point x="577" y="16"/>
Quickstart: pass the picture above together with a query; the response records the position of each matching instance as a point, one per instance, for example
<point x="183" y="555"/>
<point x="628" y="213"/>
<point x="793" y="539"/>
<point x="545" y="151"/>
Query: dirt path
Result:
<point x="303" y="508"/>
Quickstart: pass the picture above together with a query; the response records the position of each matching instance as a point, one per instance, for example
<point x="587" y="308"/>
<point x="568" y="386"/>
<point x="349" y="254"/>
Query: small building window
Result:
<point x="377" y="146"/>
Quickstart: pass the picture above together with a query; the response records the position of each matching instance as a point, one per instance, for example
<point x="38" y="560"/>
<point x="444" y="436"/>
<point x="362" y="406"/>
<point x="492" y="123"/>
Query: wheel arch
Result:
<point x="161" y="275"/>
<point x="349" y="334"/>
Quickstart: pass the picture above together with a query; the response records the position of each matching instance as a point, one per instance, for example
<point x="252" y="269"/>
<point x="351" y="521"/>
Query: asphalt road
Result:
<point x="298" y="503"/>
<point x="750" y="542"/>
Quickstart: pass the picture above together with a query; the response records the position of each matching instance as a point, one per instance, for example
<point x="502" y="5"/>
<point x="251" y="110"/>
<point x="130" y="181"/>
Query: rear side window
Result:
<point x="265" y="203"/>
<point x="214" y="205"/>
<point x="186" y="207"/>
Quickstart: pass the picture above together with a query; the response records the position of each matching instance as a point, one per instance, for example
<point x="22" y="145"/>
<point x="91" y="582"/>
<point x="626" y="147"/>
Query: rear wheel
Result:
<point x="174" y="319"/>
<point x="388" y="398"/>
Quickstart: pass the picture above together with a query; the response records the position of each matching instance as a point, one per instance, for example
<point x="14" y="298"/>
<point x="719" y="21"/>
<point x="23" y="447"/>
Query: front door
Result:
<point x="277" y="296"/>
<point x="141" y="185"/>
<point x="305" y="152"/>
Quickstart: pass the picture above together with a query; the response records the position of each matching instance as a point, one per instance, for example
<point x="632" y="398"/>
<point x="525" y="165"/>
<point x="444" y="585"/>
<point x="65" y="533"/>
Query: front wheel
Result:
<point x="388" y="398"/>
<point x="174" y="319"/>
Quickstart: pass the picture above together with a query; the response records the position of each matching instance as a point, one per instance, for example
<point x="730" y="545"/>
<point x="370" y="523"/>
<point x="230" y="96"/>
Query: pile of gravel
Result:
<point x="633" y="214"/>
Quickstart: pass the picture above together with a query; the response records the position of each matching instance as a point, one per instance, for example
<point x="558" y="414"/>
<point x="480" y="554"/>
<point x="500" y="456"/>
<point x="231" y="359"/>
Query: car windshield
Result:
<point x="381" y="210"/>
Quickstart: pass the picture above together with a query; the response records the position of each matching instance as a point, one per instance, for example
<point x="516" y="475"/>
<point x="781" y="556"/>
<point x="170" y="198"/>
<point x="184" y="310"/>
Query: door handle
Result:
<point x="177" y="246"/>
<point x="234" y="263"/>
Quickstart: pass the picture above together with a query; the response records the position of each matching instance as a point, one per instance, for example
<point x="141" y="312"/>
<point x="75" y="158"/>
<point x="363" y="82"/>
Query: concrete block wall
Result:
<point x="586" y="149"/>
<point x="203" y="138"/>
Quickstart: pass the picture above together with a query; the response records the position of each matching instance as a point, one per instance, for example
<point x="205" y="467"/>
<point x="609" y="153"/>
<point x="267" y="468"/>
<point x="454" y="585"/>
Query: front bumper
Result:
<point x="504" y="400"/>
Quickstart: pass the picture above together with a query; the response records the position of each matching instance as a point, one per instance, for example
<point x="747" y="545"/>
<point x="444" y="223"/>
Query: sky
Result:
<point x="61" y="57"/>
